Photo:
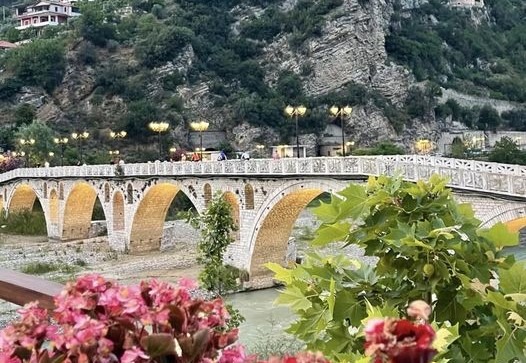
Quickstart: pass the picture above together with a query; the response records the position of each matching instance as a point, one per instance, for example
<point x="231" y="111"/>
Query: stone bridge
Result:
<point x="266" y="196"/>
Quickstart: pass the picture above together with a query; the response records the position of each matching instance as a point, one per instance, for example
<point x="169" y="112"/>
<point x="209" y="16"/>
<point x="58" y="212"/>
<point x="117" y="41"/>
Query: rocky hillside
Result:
<point x="237" y="64"/>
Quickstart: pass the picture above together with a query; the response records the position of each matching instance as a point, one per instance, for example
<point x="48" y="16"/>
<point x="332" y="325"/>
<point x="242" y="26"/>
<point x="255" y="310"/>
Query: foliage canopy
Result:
<point x="428" y="247"/>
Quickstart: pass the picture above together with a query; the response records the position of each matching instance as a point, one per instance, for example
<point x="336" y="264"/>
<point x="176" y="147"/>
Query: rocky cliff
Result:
<point x="347" y="49"/>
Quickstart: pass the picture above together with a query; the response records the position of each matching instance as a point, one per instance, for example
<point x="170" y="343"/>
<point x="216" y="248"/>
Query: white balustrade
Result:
<point x="473" y="175"/>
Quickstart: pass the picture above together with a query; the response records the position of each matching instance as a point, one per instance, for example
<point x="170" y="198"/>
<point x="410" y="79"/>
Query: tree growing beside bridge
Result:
<point x="216" y="226"/>
<point x="428" y="247"/>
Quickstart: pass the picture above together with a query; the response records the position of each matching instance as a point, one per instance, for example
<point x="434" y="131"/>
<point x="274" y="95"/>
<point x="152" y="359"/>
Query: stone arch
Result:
<point x="1" y="205"/>
<point x="148" y="220"/>
<point x="207" y="194"/>
<point x="23" y="198"/>
<point x="276" y="218"/>
<point x="118" y="212"/>
<point x="231" y="199"/>
<point x="78" y="211"/>
<point x="129" y="193"/>
<point x="249" y="196"/>
<point x="53" y="207"/>
<point x="514" y="217"/>
<point x="107" y="192"/>
<point x="61" y="191"/>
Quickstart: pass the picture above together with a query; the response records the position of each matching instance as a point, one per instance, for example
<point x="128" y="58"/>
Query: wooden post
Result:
<point x="20" y="289"/>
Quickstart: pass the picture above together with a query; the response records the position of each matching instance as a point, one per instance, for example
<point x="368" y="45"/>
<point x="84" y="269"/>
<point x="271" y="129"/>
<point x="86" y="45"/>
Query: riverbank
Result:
<point x="66" y="260"/>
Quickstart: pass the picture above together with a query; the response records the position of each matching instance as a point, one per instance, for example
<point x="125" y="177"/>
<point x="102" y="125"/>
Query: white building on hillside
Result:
<point x="466" y="3"/>
<point x="45" y="13"/>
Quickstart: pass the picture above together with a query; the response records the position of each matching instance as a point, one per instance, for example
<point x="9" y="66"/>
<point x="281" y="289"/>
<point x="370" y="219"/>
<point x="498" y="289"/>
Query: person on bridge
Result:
<point x="195" y="157"/>
<point x="222" y="156"/>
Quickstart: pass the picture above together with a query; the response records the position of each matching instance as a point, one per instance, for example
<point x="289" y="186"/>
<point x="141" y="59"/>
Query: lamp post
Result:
<point x="200" y="126"/>
<point x="159" y="128"/>
<point x="350" y="145"/>
<point x="296" y="111"/>
<point x="29" y="142"/>
<point x="80" y="136"/>
<point x="62" y="142"/>
<point x="260" y="148"/>
<point x="341" y="112"/>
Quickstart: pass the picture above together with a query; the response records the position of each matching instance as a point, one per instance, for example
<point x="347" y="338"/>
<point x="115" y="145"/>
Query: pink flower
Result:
<point x="131" y="355"/>
<point x="235" y="354"/>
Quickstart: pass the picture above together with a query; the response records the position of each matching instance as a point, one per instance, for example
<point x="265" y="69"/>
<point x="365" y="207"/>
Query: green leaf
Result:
<point x="513" y="280"/>
<point x="500" y="236"/>
<point x="354" y="204"/>
<point x="281" y="273"/>
<point x="328" y="233"/>
<point x="332" y="296"/>
<point x="444" y="337"/>
<point x="511" y="346"/>
<point x="293" y="297"/>
<point x="499" y="300"/>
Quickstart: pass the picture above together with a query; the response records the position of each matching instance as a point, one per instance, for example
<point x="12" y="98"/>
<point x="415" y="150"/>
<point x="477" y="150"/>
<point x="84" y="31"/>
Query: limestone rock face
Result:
<point x="351" y="48"/>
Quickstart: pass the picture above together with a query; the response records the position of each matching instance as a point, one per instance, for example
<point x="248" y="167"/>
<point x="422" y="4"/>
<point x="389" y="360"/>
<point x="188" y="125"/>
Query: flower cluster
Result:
<point x="400" y="340"/>
<point x="96" y="320"/>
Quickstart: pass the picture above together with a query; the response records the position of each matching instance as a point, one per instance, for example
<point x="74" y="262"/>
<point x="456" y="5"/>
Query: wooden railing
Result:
<point x="20" y="289"/>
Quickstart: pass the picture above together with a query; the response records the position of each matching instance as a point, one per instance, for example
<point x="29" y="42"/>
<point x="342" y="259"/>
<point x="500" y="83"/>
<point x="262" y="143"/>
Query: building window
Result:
<point x="56" y="9"/>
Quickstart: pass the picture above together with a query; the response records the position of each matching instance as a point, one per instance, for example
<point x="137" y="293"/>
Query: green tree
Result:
<point x="24" y="114"/>
<point x="427" y="247"/>
<point x="458" y="149"/>
<point x="93" y="26"/>
<point x="507" y="151"/>
<point x="43" y="136"/>
<point x="489" y="118"/>
<point x="39" y="63"/>
<point x="216" y="225"/>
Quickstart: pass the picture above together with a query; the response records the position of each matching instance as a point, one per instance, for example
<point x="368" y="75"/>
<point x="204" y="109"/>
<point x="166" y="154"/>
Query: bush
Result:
<point x="24" y="223"/>
<point x="39" y="63"/>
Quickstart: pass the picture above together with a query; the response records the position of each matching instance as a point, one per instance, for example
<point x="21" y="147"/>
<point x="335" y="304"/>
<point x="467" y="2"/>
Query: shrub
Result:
<point x="24" y="223"/>
<point x="39" y="63"/>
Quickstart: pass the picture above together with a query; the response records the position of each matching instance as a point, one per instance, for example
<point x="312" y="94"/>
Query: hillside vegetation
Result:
<point x="134" y="68"/>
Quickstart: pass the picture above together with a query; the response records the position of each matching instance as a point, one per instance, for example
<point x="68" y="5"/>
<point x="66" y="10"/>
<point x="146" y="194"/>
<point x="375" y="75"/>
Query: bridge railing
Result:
<point x="464" y="174"/>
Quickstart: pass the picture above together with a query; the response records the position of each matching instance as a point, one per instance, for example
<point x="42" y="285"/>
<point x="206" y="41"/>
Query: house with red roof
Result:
<point x="6" y="45"/>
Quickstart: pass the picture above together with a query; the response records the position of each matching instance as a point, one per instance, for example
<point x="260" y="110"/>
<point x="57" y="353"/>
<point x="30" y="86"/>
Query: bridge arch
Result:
<point x="53" y="207"/>
<point x="22" y="198"/>
<point x="1" y="206"/>
<point x="249" y="196"/>
<point x="274" y="222"/>
<point x="233" y="201"/>
<point x="512" y="216"/>
<point x="149" y="217"/>
<point x="78" y="211"/>
<point x="118" y="211"/>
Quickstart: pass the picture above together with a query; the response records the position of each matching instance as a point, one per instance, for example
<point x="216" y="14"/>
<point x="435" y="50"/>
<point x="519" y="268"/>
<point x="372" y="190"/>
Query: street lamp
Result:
<point x="62" y="142"/>
<point x="260" y="148"/>
<point x="28" y="142"/>
<point x="350" y="145"/>
<point x="159" y="128"/>
<point x="296" y="111"/>
<point x="423" y="146"/>
<point x="118" y="135"/>
<point x="341" y="112"/>
<point x="80" y="136"/>
<point x="200" y="126"/>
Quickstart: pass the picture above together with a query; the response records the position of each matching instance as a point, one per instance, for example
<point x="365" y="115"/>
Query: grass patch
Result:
<point x="25" y="223"/>
<point x="40" y="268"/>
